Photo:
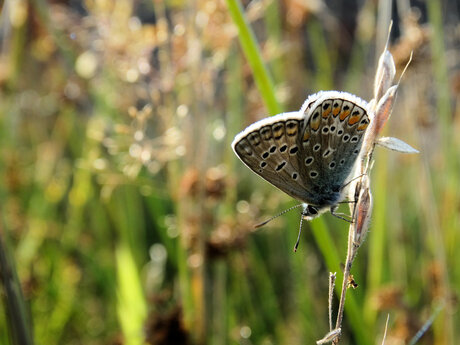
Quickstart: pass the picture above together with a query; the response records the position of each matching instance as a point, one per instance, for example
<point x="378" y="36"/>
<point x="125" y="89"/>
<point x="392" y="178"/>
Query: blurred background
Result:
<point x="127" y="218"/>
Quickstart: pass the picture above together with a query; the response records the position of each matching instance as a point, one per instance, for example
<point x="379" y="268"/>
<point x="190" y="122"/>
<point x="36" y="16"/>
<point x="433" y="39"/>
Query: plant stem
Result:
<point x="351" y="253"/>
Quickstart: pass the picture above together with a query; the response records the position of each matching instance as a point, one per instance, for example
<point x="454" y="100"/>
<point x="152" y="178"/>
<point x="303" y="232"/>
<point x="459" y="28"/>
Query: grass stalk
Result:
<point x="443" y="97"/>
<point x="252" y="52"/>
<point x="19" y="325"/>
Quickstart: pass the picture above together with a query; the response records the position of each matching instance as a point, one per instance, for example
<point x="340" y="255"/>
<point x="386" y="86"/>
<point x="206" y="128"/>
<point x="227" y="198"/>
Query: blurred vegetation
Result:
<point x="126" y="217"/>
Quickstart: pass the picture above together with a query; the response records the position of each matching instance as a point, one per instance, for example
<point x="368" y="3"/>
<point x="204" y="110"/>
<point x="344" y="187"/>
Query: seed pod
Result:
<point x="385" y="74"/>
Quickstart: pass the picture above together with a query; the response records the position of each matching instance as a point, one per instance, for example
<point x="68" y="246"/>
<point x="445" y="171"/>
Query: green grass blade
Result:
<point x="251" y="51"/>
<point x="132" y="309"/>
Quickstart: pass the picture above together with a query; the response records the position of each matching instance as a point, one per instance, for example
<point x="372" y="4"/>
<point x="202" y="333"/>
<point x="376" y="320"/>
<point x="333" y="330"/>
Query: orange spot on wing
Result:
<point x="306" y="135"/>
<point x="363" y="127"/>
<point x="315" y="124"/>
<point x="326" y="112"/>
<point x="353" y="119"/>
<point x="344" y="114"/>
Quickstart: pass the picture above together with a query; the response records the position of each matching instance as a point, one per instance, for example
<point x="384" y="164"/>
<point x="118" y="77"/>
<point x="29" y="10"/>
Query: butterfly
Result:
<point x="308" y="154"/>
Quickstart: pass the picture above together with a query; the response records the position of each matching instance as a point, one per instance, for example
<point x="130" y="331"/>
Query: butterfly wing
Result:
<point x="331" y="142"/>
<point x="307" y="154"/>
<point x="270" y="148"/>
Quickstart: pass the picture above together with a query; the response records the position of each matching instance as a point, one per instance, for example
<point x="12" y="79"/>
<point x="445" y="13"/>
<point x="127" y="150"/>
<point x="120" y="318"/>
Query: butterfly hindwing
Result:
<point x="335" y="139"/>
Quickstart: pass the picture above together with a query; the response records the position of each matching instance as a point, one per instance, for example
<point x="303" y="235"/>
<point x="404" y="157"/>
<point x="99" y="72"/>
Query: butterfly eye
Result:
<point x="312" y="210"/>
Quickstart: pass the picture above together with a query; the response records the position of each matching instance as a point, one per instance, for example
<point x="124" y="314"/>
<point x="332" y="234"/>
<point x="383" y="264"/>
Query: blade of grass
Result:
<point x="18" y="320"/>
<point x="132" y="309"/>
<point x="444" y="326"/>
<point x="251" y="51"/>
<point x="321" y="56"/>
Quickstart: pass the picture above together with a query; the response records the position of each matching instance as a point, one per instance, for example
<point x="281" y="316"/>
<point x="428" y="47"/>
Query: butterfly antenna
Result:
<point x="298" y="236"/>
<point x="280" y="214"/>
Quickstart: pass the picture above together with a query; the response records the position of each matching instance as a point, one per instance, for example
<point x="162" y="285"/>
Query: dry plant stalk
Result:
<point x="380" y="108"/>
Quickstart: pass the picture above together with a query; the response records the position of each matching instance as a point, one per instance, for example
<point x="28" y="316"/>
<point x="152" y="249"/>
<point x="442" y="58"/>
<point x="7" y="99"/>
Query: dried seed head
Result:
<point x="384" y="109"/>
<point x="385" y="74"/>
<point x="381" y="115"/>
<point x="386" y="71"/>
<point x="363" y="211"/>
<point x="332" y="335"/>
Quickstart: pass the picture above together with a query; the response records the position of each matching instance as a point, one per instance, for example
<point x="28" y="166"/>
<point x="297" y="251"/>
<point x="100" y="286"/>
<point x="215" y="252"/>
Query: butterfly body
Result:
<point x="308" y="154"/>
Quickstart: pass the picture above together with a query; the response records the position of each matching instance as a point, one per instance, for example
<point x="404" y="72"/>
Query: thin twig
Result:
<point x="346" y="274"/>
<point x="426" y="325"/>
<point x="386" y="329"/>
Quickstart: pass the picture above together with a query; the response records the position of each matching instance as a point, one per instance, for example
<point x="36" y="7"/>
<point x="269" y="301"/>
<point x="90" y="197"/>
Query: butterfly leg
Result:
<point x="298" y="236"/>
<point x="340" y="215"/>
<point x="347" y="202"/>
<point x="354" y="178"/>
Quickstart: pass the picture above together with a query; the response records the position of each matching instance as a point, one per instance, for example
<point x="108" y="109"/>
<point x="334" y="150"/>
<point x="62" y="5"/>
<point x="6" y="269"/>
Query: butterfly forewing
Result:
<point x="270" y="148"/>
